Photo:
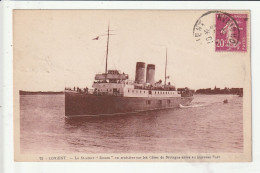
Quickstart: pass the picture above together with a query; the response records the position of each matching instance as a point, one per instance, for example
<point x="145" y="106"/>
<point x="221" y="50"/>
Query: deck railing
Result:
<point x="98" y="93"/>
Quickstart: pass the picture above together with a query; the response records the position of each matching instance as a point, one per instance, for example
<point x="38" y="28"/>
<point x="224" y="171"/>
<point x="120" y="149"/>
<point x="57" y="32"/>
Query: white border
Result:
<point x="6" y="92"/>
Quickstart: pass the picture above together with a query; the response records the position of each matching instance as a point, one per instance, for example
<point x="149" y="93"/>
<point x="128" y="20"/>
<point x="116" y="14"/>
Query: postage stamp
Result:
<point x="231" y="32"/>
<point x="228" y="31"/>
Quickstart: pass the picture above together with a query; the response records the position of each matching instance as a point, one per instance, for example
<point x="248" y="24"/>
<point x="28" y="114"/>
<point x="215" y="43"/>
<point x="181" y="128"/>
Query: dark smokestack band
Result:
<point x="151" y="66"/>
<point x="140" y="64"/>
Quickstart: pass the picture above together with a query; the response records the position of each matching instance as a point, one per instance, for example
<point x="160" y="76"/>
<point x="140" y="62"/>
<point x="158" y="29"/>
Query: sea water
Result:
<point x="207" y="125"/>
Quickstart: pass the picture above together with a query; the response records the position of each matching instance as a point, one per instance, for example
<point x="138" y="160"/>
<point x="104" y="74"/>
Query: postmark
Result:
<point x="204" y="29"/>
<point x="227" y="31"/>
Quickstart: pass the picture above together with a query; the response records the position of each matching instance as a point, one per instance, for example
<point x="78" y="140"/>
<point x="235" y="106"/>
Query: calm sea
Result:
<point x="208" y="125"/>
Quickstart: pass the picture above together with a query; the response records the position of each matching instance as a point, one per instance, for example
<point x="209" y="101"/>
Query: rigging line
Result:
<point x="107" y="51"/>
<point x="165" y="69"/>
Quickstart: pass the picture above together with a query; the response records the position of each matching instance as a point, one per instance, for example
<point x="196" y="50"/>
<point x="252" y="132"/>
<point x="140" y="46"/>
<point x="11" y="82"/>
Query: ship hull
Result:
<point x="78" y="104"/>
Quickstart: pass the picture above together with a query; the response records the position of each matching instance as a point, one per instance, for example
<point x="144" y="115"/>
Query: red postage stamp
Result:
<point x="231" y="32"/>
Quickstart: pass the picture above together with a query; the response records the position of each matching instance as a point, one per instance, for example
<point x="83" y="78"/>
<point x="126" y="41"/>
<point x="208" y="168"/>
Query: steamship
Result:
<point x="113" y="93"/>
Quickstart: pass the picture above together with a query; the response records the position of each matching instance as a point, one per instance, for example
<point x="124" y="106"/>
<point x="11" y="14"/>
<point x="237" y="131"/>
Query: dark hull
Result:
<point x="77" y="104"/>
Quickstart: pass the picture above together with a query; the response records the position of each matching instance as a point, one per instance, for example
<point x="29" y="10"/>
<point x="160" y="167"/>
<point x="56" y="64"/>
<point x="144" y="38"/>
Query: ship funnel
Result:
<point x="150" y="71"/>
<point x="140" y="72"/>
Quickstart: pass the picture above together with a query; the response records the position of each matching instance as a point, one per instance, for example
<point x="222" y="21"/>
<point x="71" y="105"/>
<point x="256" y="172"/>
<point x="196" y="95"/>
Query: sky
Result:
<point x="54" y="49"/>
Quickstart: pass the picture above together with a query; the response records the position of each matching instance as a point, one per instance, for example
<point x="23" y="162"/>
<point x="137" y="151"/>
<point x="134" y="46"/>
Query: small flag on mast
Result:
<point x="96" y="38"/>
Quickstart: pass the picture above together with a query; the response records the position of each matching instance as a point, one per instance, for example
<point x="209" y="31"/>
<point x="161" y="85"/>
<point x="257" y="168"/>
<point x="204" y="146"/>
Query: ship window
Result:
<point x="148" y="102"/>
<point x="155" y="92"/>
<point x="144" y="91"/>
<point x="128" y="90"/>
<point x="107" y="89"/>
<point x="160" y="102"/>
<point x="140" y="91"/>
<point x="169" y="101"/>
<point x="150" y="92"/>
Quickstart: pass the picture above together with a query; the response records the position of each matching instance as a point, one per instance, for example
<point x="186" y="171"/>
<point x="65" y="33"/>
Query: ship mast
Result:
<point x="107" y="52"/>
<point x="108" y="34"/>
<point x="165" y="70"/>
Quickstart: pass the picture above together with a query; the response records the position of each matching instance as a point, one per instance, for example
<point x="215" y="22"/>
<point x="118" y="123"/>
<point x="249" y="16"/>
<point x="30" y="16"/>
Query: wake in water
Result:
<point x="192" y="105"/>
<point x="208" y="101"/>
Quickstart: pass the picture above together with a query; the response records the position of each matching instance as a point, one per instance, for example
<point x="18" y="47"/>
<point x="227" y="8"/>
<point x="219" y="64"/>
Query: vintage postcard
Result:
<point x="132" y="85"/>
